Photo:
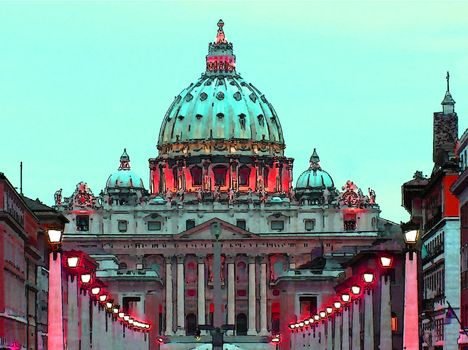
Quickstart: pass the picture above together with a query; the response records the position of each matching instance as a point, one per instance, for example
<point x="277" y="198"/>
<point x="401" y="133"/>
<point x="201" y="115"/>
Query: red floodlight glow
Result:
<point x="386" y="261"/>
<point x="85" y="278"/>
<point x="368" y="277"/>
<point x="345" y="297"/>
<point x="356" y="290"/>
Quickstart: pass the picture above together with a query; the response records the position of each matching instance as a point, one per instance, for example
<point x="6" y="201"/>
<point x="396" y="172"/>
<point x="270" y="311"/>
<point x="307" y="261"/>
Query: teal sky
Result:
<point x="79" y="81"/>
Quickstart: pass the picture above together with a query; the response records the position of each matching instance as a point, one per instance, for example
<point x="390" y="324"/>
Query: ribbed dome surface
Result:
<point x="124" y="178"/>
<point x="220" y="107"/>
<point x="314" y="179"/>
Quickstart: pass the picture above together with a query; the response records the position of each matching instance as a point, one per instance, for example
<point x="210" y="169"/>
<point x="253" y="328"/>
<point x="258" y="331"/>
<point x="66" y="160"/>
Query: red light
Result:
<point x="355" y="290"/>
<point x="345" y="297"/>
<point x="386" y="261"/>
<point x="329" y="310"/>
<point x="368" y="277"/>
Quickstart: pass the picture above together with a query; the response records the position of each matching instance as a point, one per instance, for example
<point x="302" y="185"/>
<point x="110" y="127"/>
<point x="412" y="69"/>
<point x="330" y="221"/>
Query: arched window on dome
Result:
<point x="244" y="175"/>
<point x="196" y="173"/>
<point x="220" y="172"/>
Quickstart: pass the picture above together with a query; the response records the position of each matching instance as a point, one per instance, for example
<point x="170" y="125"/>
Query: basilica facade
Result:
<point x="285" y="246"/>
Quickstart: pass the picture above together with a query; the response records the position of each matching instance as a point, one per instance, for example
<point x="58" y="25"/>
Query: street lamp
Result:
<point x="411" y="312"/>
<point x="368" y="277"/>
<point x="386" y="261"/>
<point x="55" y="307"/>
<point x="356" y="290"/>
<point x="85" y="278"/>
<point x="345" y="297"/>
<point x="337" y="305"/>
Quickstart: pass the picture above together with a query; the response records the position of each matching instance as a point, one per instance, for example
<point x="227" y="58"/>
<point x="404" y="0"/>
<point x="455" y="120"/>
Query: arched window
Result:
<point x="241" y="324"/>
<point x="196" y="173"/>
<point x="244" y="175"/>
<point x="191" y="324"/>
<point x="241" y="271"/>
<point x="219" y="172"/>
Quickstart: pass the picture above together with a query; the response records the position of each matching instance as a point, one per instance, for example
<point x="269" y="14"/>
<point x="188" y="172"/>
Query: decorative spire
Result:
<point x="448" y="103"/>
<point x="220" y="59"/>
<point x="314" y="160"/>
<point x="124" y="161"/>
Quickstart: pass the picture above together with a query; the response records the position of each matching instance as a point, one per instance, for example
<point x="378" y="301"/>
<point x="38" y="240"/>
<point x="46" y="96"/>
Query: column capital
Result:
<point x="230" y="258"/>
<point x="201" y="258"/>
<point x="251" y="258"/>
<point x="180" y="258"/>
<point x="168" y="259"/>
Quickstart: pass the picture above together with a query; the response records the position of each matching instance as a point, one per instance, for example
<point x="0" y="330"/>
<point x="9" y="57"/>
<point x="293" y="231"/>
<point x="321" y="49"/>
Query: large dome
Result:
<point x="221" y="112"/>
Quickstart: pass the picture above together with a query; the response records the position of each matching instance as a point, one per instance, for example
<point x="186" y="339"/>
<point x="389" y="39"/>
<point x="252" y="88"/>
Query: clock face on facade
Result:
<point x="351" y="198"/>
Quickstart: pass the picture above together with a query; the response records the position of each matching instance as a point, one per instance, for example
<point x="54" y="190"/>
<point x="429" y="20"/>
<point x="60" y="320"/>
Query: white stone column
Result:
<point x="368" y="320"/>
<point x="345" y="320"/>
<point x="201" y="290"/>
<point x="252" y="330"/>
<point x="231" y="317"/>
<point x="323" y="336"/>
<point x="385" y="315"/>
<point x="337" y="331"/>
<point x="356" y="330"/>
<point x="84" y="318"/>
<point x="330" y="334"/>
<point x="72" y="314"/>
<point x="180" y="296"/>
<point x="169" y="301"/>
<point x="263" y="298"/>
<point x="98" y="328"/>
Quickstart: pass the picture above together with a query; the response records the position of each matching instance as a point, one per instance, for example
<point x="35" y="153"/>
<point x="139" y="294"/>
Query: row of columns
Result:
<point x="336" y="333"/>
<point x="89" y="326"/>
<point x="231" y="307"/>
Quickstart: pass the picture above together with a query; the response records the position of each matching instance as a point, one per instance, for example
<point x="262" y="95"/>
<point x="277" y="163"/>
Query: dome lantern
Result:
<point x="220" y="58"/>
<point x="448" y="103"/>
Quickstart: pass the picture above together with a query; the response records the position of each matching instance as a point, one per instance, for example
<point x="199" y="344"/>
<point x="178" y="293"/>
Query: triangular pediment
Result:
<point x="206" y="231"/>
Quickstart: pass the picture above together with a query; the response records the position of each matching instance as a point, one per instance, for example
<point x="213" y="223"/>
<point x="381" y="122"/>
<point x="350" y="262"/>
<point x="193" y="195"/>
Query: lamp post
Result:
<point x="345" y="298"/>
<point x="385" y="262"/>
<point x="368" y="278"/>
<point x="356" y="324"/>
<point x="54" y="299"/>
<point x="411" y="321"/>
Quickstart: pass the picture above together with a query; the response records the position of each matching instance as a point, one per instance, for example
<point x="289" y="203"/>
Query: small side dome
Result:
<point x="124" y="177"/>
<point x="314" y="179"/>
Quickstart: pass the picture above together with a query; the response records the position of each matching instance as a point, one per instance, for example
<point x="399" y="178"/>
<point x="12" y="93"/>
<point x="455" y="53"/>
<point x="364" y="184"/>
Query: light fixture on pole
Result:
<point x="337" y="305"/>
<point x="72" y="261"/>
<point x="368" y="277"/>
<point x="103" y="298"/>
<point x="411" y="312"/>
<point x="55" y="304"/>
<point x="345" y="297"/>
<point x="85" y="278"/>
<point x="95" y="290"/>
<point x="386" y="261"/>
<point x="356" y="290"/>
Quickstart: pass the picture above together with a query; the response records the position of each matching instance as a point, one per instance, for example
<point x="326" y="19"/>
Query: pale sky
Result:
<point x="359" y="81"/>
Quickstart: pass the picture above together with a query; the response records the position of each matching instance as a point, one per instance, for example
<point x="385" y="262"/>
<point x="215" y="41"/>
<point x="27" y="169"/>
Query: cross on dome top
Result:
<point x="220" y="59"/>
<point x="124" y="161"/>
<point x="448" y="103"/>
<point x="314" y="160"/>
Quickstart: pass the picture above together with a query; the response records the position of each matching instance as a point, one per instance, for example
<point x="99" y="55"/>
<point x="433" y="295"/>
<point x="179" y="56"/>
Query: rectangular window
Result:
<point x="122" y="226"/>
<point x="350" y="222"/>
<point x="189" y="224"/>
<point x="308" y="305"/>
<point x="309" y="225"/>
<point x="241" y="224"/>
<point x="277" y="225"/>
<point x="154" y="225"/>
<point x="82" y="222"/>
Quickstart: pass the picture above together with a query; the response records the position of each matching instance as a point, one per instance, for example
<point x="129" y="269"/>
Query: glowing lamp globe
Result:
<point x="337" y="305"/>
<point x="311" y="320"/>
<point x="411" y="237"/>
<point x="126" y="318"/>
<point x="368" y="277"/>
<point x="115" y="310"/>
<point x="121" y="315"/>
<point x="131" y="321"/>
<point x="292" y="326"/>
<point x="54" y="236"/>
<point x="103" y="298"/>
<point x="85" y="278"/>
<point x="301" y="324"/>
<point x="355" y="290"/>
<point x="386" y="261"/>
<point x="72" y="261"/>
<point x="345" y="297"/>
<point x="306" y="322"/>
<point x="323" y="314"/>
<point x="329" y="310"/>
<point x="275" y="339"/>
<point x="316" y="317"/>
<point x="95" y="290"/>
<point x="109" y="305"/>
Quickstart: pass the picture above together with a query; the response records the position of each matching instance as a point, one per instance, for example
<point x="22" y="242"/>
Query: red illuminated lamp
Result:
<point x="311" y="320"/>
<point x="301" y="324"/>
<point x="337" y="305"/>
<point x="103" y="298"/>
<point x="85" y="278"/>
<point x="292" y="326"/>
<point x="329" y="310"/>
<point x="316" y="317"/>
<point x="306" y="322"/>
<point x="322" y="314"/>
<point x="368" y="277"/>
<point x="55" y="239"/>
<point x="345" y="298"/>
<point x="160" y="339"/>
<point x="386" y="261"/>
<point x="121" y="315"/>
<point x="356" y="290"/>
<point x="95" y="290"/>
<point x="276" y="339"/>
<point x="72" y="261"/>
<point x="126" y="318"/>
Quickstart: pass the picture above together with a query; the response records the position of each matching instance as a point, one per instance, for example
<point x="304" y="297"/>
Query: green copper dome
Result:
<point x="314" y="178"/>
<point x="124" y="177"/>
<point x="221" y="109"/>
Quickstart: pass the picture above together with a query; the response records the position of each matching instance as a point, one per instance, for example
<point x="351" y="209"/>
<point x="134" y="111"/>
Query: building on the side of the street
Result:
<point x="22" y="249"/>
<point x="221" y="163"/>
<point x="460" y="189"/>
<point x="434" y="210"/>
